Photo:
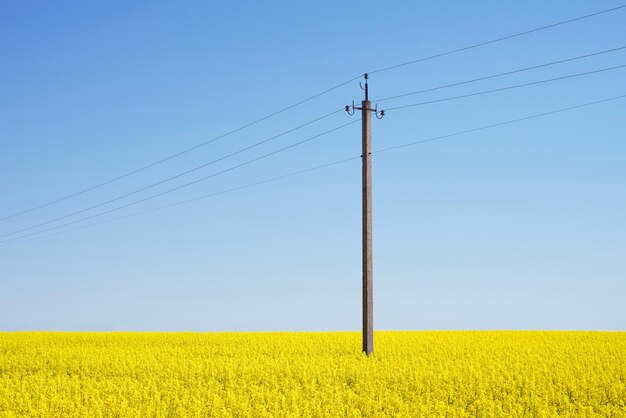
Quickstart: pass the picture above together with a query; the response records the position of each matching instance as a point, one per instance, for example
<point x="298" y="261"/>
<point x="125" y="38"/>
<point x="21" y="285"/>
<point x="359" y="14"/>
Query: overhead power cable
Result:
<point x="232" y="154"/>
<point x="185" y="184"/>
<point x="527" y="32"/>
<point x="259" y="143"/>
<point x="195" y="199"/>
<point x="508" y="122"/>
<point x="322" y="117"/>
<point x="534" y="67"/>
<point x="505" y="88"/>
<point x="147" y="166"/>
<point x="177" y="154"/>
<point x="319" y="167"/>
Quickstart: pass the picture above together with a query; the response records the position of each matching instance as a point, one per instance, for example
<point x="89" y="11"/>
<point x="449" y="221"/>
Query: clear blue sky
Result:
<point x="516" y="227"/>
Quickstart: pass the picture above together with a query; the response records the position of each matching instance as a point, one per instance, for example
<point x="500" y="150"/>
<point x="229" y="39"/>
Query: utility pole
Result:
<point x="367" y="255"/>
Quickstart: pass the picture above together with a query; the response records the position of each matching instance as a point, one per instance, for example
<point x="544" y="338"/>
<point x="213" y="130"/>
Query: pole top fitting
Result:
<point x="366" y="76"/>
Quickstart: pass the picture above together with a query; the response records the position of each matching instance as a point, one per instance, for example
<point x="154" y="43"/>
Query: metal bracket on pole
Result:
<point x="348" y="107"/>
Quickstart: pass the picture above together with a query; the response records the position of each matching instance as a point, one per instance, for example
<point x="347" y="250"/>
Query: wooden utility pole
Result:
<point x="367" y="255"/>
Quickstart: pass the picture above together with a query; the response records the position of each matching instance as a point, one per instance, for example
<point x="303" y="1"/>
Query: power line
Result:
<point x="173" y="177"/>
<point x="508" y="122"/>
<point x="195" y="199"/>
<point x="247" y="125"/>
<point x="534" y="67"/>
<point x="497" y="39"/>
<point x="178" y="154"/>
<point x="185" y="184"/>
<point x="293" y="129"/>
<point x="337" y="162"/>
<point x="505" y="88"/>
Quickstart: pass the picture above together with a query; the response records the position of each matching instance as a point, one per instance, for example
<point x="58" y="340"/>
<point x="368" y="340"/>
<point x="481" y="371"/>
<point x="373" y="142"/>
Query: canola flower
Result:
<point x="411" y="374"/>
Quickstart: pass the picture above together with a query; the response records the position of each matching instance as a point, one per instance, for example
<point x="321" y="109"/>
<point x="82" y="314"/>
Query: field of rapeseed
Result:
<point x="313" y="374"/>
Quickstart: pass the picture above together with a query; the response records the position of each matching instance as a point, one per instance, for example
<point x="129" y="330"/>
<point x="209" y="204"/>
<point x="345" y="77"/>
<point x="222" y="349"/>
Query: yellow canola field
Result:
<point x="429" y="374"/>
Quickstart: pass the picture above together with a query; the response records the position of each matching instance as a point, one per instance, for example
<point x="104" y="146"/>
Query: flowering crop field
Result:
<point x="430" y="374"/>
